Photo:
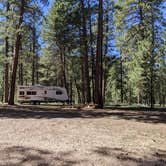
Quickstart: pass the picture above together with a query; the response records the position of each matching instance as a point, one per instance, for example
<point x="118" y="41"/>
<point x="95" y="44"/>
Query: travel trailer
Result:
<point x="37" y="93"/>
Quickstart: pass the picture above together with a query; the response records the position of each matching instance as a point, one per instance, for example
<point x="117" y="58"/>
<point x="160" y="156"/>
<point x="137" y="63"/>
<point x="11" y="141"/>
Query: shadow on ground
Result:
<point x="36" y="112"/>
<point x="161" y="109"/>
<point x="19" y="156"/>
<point x="158" y="158"/>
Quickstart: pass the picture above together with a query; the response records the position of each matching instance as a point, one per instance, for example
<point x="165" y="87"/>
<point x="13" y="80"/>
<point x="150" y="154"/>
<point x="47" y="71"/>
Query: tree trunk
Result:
<point x="37" y="69"/>
<point x="121" y="80"/>
<point x="16" y="55"/>
<point x="99" y="65"/>
<point x="2" y="96"/>
<point x="85" y="55"/>
<point x="6" y="73"/>
<point x="21" y="77"/>
<point x="152" y="99"/>
<point x="78" y="90"/>
<point x="92" y="54"/>
<point x="82" y="81"/>
<point x="164" y="99"/>
<point x="34" y="55"/>
<point x="104" y="78"/>
<point x="6" y="70"/>
<point x="63" y="70"/>
<point x="71" y="91"/>
<point x="82" y="75"/>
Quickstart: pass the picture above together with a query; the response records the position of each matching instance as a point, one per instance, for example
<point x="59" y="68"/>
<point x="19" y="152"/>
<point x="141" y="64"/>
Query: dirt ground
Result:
<point x="52" y="136"/>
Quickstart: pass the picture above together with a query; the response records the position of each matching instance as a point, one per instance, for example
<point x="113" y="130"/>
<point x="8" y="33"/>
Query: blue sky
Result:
<point x="46" y="9"/>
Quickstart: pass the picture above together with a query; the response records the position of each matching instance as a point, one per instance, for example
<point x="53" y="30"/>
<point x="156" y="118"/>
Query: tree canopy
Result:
<point x="102" y="52"/>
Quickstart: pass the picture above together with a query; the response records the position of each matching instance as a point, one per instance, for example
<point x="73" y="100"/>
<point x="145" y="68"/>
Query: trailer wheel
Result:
<point x="34" y="102"/>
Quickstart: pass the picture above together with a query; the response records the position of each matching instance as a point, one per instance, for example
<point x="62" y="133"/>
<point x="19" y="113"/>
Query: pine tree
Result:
<point x="99" y="59"/>
<point x="84" y="46"/>
<point x="136" y="20"/>
<point x="16" y="52"/>
<point x="21" y="8"/>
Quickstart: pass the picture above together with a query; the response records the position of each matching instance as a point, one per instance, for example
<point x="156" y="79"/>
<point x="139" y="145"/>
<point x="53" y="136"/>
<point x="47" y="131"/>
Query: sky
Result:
<point x="164" y="11"/>
<point x="46" y="9"/>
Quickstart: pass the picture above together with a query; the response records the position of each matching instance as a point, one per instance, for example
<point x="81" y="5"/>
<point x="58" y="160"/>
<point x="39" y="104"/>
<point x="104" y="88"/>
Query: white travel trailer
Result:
<point x="37" y="93"/>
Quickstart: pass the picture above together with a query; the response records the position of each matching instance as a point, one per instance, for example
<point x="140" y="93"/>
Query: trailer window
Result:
<point x="22" y="87"/>
<point x="28" y="93"/>
<point x="21" y="93"/>
<point x="58" y="92"/>
<point x="31" y="93"/>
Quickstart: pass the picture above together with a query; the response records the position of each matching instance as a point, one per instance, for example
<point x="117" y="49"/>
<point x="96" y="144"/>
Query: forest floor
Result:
<point x="54" y="136"/>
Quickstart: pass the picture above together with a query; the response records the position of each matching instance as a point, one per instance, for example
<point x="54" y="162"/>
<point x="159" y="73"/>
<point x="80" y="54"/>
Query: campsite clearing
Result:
<point x="39" y="135"/>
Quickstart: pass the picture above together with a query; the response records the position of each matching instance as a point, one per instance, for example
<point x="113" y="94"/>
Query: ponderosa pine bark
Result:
<point x="99" y="61"/>
<point x="16" y="54"/>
